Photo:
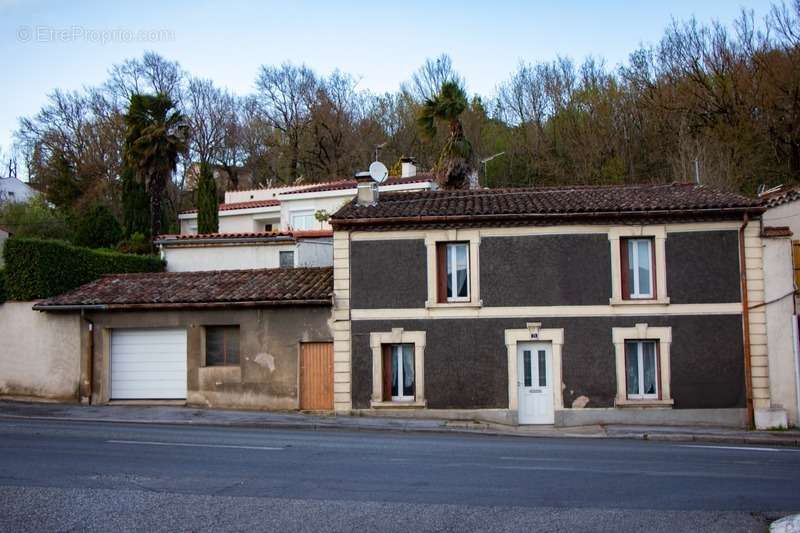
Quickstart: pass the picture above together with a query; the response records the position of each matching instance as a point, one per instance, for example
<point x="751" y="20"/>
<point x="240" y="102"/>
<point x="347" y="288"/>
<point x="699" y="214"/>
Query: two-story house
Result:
<point x="563" y="305"/>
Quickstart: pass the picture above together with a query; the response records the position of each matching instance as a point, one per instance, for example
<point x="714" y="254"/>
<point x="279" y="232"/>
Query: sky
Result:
<point x="46" y="45"/>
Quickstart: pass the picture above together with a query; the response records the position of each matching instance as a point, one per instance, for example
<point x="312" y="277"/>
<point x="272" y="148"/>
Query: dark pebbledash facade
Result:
<point x="555" y="289"/>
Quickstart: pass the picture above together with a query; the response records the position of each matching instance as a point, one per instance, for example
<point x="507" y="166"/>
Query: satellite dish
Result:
<point x="378" y="171"/>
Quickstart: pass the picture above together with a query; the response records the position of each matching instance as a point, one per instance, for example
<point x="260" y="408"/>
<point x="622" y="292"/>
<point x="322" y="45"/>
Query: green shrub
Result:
<point x="96" y="227"/>
<point x="36" y="219"/>
<point x="40" y="268"/>
<point x="2" y="285"/>
<point x="138" y="243"/>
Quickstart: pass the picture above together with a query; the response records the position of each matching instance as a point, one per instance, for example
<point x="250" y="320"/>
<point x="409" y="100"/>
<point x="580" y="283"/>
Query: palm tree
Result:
<point x="455" y="162"/>
<point x="157" y="135"/>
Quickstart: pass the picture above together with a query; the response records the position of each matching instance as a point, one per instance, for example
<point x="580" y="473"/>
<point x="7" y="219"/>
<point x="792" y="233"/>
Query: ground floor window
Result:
<point x="398" y="368"/>
<point x="399" y="374"/>
<point x="222" y="345"/>
<point x="641" y="369"/>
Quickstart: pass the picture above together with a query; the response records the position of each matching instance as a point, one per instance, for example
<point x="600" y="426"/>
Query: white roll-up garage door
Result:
<point x="148" y="364"/>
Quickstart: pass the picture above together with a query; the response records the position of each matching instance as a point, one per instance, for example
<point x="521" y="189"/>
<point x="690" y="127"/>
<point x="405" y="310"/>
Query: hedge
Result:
<point x="42" y="268"/>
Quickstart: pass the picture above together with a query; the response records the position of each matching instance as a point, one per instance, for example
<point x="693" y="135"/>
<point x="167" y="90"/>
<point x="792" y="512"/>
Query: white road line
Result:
<point x="744" y="448"/>
<point x="191" y="444"/>
<point x="528" y="459"/>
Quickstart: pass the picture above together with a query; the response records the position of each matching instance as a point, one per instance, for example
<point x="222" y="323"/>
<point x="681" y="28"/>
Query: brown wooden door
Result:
<point x="316" y="376"/>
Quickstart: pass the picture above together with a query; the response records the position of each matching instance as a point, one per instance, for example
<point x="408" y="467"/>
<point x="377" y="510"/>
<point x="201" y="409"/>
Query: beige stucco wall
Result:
<point x="778" y="287"/>
<point x="778" y="283"/>
<point x="39" y="353"/>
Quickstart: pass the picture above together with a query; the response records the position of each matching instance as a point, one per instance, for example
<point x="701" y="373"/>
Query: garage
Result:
<point x="148" y="364"/>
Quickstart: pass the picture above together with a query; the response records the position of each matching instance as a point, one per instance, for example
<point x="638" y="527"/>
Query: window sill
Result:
<point x="463" y="305"/>
<point x="643" y="403"/>
<point x="414" y="404"/>
<point x="655" y="301"/>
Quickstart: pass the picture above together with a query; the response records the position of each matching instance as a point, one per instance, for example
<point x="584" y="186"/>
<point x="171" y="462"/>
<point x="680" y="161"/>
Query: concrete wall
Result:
<point x="224" y="257"/>
<point x="269" y="338"/>
<point x="314" y="252"/>
<point x="778" y="282"/>
<point x="39" y="353"/>
<point x="778" y="288"/>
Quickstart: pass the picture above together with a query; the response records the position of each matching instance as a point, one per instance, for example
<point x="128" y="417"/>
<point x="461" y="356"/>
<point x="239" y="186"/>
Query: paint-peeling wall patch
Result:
<point x="266" y="360"/>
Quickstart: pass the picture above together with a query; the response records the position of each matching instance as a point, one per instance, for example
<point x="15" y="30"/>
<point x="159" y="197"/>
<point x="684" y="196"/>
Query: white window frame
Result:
<point x="435" y="237"/>
<point x="453" y="274"/>
<point x="397" y="354"/>
<point x="663" y="336"/>
<point x="301" y="213"/>
<point x="640" y="366"/>
<point x="633" y="256"/>
<point x="658" y="234"/>
<point x="397" y="336"/>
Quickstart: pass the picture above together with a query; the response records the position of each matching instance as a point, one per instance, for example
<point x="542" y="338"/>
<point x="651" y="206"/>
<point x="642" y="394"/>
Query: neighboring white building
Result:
<point x="14" y="190"/>
<point x="295" y="207"/>
<point x="235" y="251"/>
<point x="780" y="231"/>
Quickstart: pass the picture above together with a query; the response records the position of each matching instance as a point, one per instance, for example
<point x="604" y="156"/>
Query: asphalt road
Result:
<point x="60" y="476"/>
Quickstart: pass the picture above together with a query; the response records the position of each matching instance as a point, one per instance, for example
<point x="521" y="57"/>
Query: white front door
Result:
<point x="535" y="383"/>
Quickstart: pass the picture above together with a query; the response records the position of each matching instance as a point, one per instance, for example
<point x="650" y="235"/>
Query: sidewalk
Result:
<point x="133" y="414"/>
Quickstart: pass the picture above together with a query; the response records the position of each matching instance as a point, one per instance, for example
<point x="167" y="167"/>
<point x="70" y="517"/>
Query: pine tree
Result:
<point x="207" y="205"/>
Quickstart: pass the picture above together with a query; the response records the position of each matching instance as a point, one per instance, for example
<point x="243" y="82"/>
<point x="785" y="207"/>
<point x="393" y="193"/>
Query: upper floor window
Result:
<point x="453" y="272"/>
<point x="638" y="267"/>
<point x="302" y="220"/>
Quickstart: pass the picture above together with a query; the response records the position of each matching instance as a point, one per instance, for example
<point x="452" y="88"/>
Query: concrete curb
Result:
<point x="441" y="427"/>
<point x="754" y="440"/>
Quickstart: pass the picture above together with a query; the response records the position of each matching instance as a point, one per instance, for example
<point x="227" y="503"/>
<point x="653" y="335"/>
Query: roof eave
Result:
<point x="182" y="305"/>
<point x="532" y="217"/>
<point x="230" y="240"/>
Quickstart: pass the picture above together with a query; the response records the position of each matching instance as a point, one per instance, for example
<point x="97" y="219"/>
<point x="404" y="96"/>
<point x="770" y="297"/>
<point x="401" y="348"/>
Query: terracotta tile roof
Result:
<point x="551" y="204"/>
<point x="780" y="195"/>
<point x="351" y="184"/>
<point x="244" y="236"/>
<point x="221" y="288"/>
<point x="241" y="205"/>
<point x="776" y="231"/>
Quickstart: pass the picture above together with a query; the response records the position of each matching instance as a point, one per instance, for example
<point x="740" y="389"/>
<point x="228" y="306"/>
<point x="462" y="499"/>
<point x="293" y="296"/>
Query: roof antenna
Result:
<point x="696" y="171"/>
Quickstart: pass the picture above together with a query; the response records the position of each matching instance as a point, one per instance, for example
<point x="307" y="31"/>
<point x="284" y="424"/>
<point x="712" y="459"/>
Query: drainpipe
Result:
<point x="748" y="381"/>
<point x="796" y="353"/>
<point x="88" y="359"/>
